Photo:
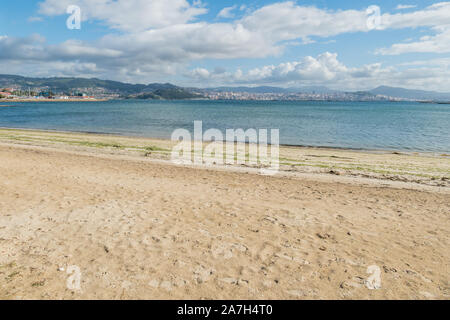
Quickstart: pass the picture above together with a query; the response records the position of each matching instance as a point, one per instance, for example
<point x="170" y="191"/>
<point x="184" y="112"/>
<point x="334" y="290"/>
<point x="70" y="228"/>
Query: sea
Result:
<point x="399" y="126"/>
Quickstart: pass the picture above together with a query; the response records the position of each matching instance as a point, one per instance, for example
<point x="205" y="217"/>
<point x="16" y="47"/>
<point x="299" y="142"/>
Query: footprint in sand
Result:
<point x="296" y="293"/>
<point x="203" y="274"/>
<point x="226" y="250"/>
<point x="168" y="285"/>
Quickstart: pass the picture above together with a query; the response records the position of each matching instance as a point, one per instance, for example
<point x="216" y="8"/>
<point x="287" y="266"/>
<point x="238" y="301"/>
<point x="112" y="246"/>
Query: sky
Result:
<point x="344" y="45"/>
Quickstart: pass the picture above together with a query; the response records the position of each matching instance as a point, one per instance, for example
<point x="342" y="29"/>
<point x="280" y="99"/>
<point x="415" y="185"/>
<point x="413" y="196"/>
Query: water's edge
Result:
<point x="366" y="126"/>
<point x="121" y="135"/>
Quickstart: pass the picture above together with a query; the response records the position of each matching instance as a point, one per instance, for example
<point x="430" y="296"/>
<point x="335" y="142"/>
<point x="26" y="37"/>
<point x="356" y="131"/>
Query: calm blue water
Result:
<point x="361" y="125"/>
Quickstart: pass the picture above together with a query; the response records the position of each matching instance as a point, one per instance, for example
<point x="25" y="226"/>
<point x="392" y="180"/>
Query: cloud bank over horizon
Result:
<point x="282" y="43"/>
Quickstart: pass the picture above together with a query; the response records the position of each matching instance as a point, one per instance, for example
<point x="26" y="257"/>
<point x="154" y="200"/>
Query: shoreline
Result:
<point x="408" y="170"/>
<point x="320" y="147"/>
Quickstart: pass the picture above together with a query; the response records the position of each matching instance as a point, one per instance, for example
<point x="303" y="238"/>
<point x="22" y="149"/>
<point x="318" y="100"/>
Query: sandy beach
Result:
<point x="137" y="226"/>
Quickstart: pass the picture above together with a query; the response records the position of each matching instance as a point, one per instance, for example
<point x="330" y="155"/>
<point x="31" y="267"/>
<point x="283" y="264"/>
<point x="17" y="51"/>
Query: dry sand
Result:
<point x="141" y="228"/>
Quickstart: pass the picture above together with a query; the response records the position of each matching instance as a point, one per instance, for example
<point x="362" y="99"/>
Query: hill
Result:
<point x="60" y="85"/>
<point x="410" y="94"/>
<point x="94" y="86"/>
<point x="167" y="94"/>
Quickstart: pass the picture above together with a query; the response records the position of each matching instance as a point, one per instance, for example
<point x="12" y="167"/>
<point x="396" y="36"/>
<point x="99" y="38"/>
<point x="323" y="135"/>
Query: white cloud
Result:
<point x="263" y="32"/>
<point x="323" y="68"/>
<point x="439" y="62"/>
<point x="326" y="69"/>
<point x="227" y="12"/>
<point x="405" y="6"/>
<point x="129" y="15"/>
<point x="288" y="21"/>
<point x="199" y="73"/>
<point x="163" y="37"/>
<point x="141" y="55"/>
<point x="436" y="15"/>
<point x="439" y="43"/>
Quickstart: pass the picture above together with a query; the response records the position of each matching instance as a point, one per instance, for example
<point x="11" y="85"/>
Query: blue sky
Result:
<point x="209" y="43"/>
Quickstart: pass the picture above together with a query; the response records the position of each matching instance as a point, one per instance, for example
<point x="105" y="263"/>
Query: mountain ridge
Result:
<point x="99" y="86"/>
<point x="410" y="93"/>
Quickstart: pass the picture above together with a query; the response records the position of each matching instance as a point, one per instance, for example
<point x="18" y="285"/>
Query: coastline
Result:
<point x="140" y="227"/>
<point x="285" y="145"/>
<point x="412" y="169"/>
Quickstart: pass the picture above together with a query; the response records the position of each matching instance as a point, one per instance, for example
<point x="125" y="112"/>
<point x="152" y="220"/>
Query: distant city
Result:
<point x="300" y="96"/>
<point x="17" y="88"/>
